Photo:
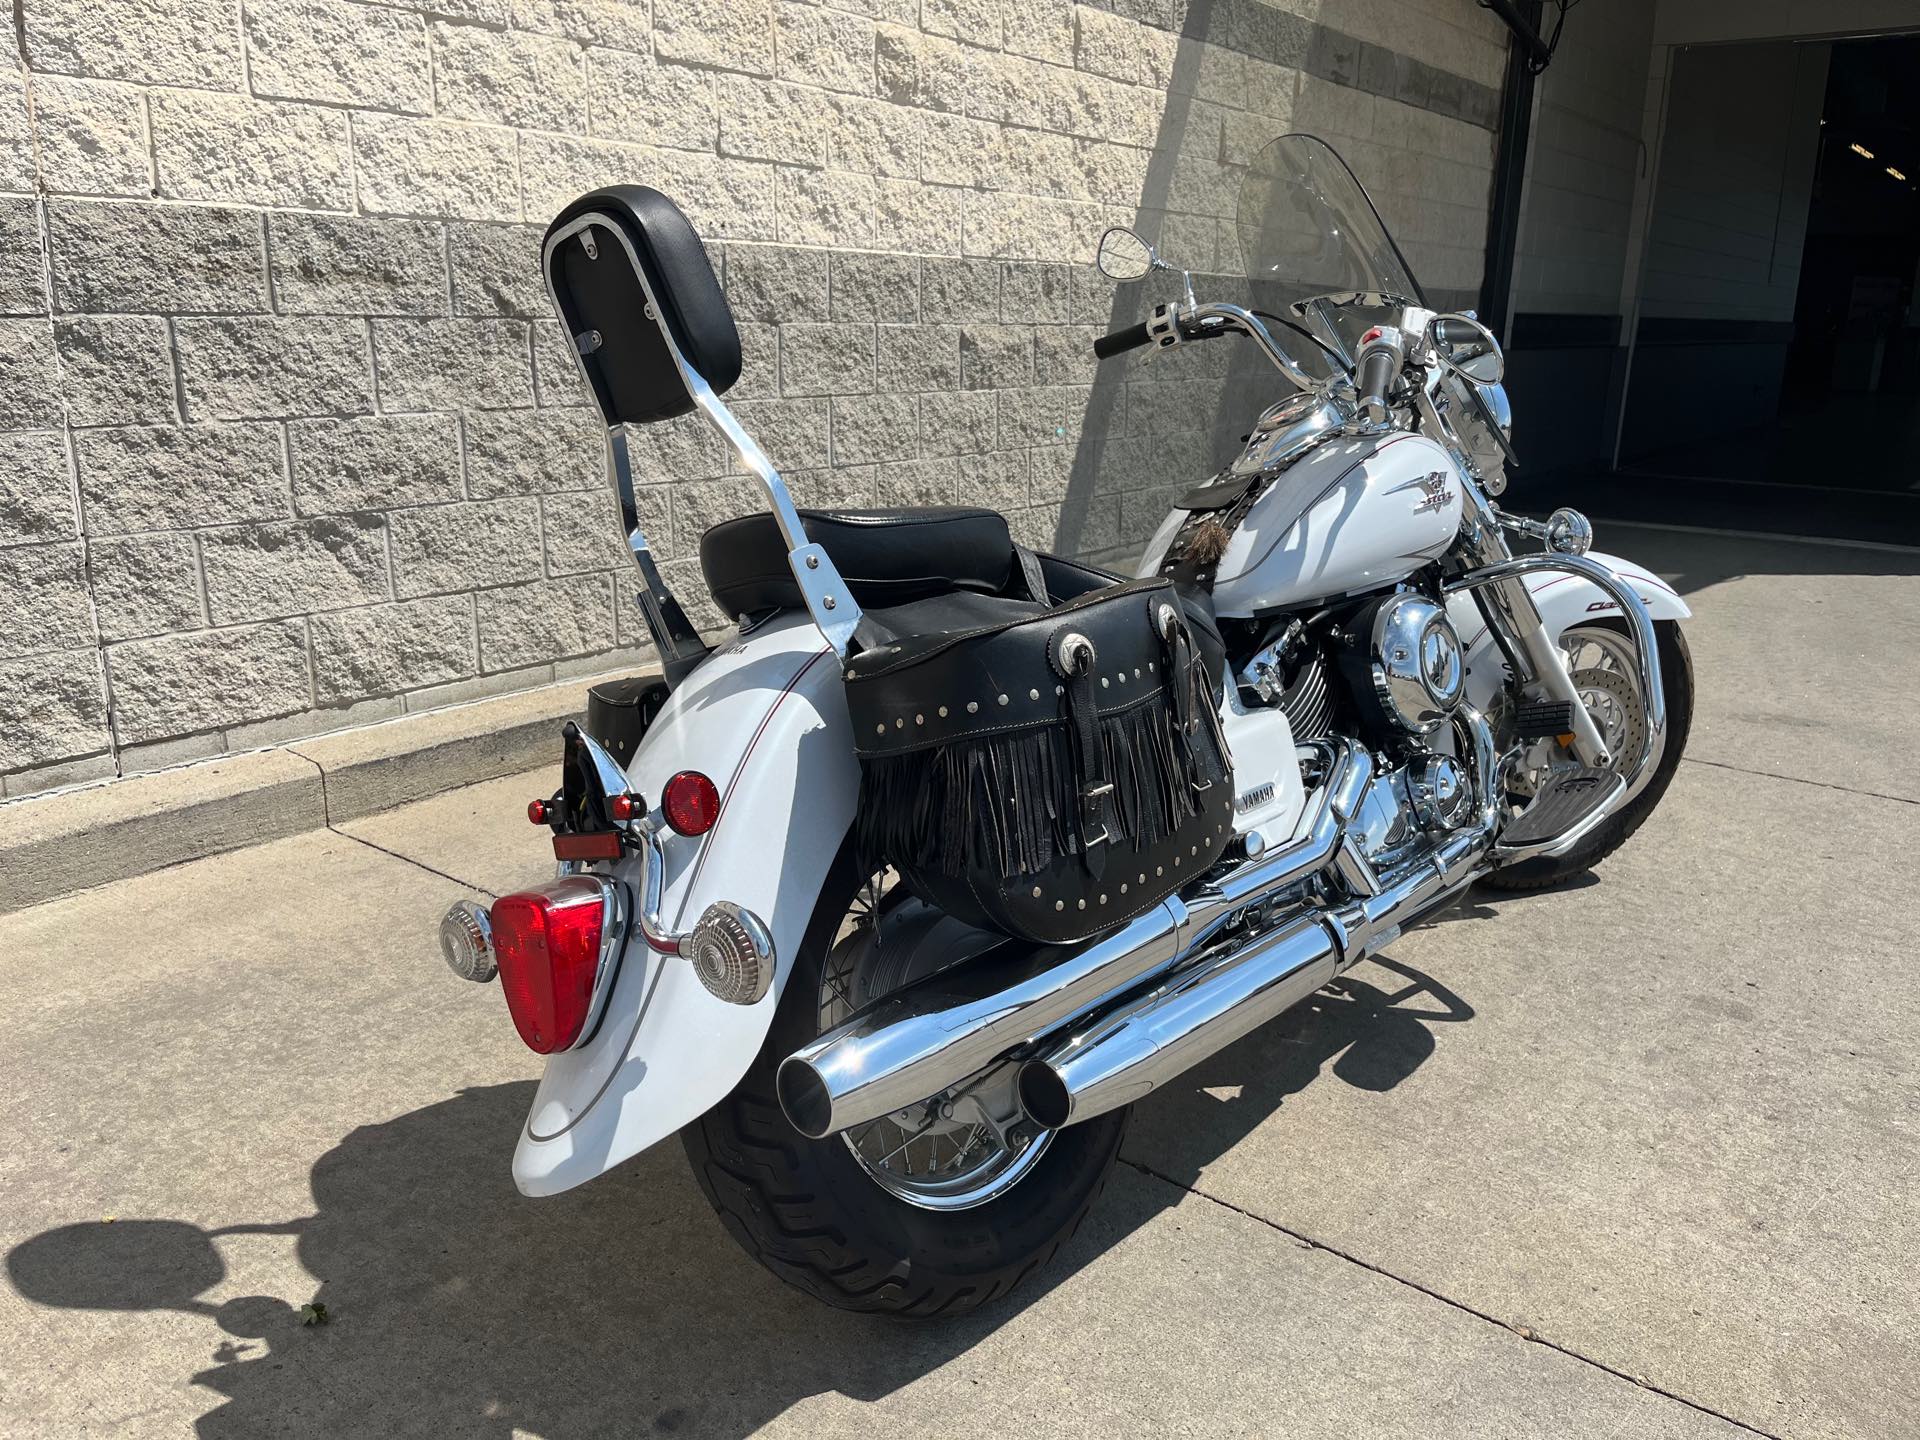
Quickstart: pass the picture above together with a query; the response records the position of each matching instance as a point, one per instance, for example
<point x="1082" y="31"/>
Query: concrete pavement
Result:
<point x="1632" y="1159"/>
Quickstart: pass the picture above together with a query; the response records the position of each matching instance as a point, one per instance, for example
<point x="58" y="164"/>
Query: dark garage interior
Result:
<point x="1764" y="370"/>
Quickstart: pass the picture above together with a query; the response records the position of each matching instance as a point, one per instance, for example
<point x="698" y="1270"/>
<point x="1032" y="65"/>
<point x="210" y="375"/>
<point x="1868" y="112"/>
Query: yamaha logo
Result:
<point x="1257" y="796"/>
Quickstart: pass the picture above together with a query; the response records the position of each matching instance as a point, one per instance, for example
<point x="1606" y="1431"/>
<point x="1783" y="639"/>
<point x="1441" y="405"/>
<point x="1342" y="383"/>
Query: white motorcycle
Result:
<point x="895" y="901"/>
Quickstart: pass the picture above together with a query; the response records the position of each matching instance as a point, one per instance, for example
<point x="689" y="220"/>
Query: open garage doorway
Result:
<point x="1774" y="372"/>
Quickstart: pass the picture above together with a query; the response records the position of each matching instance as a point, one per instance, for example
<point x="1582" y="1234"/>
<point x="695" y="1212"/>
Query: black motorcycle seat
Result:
<point x="887" y="557"/>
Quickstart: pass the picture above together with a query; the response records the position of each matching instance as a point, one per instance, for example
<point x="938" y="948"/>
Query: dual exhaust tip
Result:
<point x="808" y="1105"/>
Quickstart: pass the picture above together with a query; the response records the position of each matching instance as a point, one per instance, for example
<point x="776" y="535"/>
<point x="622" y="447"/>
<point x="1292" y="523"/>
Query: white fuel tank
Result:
<point x="1352" y="514"/>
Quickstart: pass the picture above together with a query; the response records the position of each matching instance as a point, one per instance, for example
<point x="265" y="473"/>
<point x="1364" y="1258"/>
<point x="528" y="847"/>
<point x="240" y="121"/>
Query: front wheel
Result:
<point x="1600" y="660"/>
<point x="931" y="1211"/>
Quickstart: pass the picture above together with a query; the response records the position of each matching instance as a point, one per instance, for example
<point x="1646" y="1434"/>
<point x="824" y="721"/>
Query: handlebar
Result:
<point x="1185" y="322"/>
<point x="1382" y="352"/>
<point x="1120" y="341"/>
<point x="1376" y="377"/>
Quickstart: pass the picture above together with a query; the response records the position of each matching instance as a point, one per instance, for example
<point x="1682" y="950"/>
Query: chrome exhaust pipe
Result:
<point x="1125" y="1056"/>
<point x="1130" y="1051"/>
<point x="925" y="1039"/>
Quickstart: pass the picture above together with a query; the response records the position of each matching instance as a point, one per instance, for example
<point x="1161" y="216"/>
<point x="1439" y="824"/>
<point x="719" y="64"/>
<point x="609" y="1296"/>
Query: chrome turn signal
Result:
<point x="466" y="939"/>
<point x="1569" y="532"/>
<point x="732" y="953"/>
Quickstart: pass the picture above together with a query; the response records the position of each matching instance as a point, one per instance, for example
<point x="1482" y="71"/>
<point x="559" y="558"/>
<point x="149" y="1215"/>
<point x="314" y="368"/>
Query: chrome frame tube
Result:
<point x="828" y="599"/>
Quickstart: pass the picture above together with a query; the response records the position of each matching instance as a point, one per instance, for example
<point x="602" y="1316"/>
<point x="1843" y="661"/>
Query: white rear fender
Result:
<point x="1564" y="601"/>
<point x="765" y="718"/>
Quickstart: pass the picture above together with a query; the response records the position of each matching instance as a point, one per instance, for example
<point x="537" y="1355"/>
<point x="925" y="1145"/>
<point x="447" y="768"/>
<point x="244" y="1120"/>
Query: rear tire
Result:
<point x="1676" y="680"/>
<point x="810" y="1213"/>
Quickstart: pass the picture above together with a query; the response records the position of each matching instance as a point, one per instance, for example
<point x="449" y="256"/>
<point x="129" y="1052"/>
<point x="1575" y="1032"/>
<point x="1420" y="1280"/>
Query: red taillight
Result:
<point x="537" y="811"/>
<point x="621" y="808"/>
<point x="691" y="802"/>
<point x="547" y="943"/>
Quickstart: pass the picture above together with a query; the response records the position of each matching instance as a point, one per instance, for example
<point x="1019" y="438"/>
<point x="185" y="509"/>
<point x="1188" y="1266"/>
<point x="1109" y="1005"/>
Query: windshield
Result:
<point x="1307" y="229"/>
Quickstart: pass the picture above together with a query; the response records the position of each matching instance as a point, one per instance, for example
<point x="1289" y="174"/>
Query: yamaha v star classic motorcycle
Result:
<point x="893" y="902"/>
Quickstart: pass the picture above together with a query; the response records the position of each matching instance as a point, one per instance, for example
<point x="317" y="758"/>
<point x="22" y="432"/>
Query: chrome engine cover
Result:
<point x="1407" y="808"/>
<point x="1419" y="665"/>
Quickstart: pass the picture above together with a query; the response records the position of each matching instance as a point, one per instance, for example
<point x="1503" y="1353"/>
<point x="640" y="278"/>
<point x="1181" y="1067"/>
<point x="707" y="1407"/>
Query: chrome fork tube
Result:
<point x="1515" y="621"/>
<point x="1510" y="574"/>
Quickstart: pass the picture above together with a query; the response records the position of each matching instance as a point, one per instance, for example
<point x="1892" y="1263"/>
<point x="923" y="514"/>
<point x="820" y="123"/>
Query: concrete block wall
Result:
<point x="1584" y="160"/>
<point x="289" y="439"/>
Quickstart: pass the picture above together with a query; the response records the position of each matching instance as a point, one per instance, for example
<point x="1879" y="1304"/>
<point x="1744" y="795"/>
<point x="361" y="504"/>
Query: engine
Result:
<point x="1390" y="671"/>
<point x="1410" y="676"/>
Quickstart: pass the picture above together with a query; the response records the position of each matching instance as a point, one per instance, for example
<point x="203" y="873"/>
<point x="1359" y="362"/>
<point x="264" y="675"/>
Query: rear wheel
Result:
<point x="930" y="1211"/>
<point x="1600" y="659"/>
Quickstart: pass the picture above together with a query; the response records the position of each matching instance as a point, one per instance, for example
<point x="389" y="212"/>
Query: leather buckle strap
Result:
<point x="1073" y="657"/>
<point x="1187" y="688"/>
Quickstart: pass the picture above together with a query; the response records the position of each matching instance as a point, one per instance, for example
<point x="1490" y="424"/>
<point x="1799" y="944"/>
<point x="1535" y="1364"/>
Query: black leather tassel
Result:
<point x="1009" y="804"/>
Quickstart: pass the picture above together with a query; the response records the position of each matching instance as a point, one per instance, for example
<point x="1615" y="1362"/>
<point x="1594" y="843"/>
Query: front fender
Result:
<point x="1564" y="601"/>
<point x="765" y="718"/>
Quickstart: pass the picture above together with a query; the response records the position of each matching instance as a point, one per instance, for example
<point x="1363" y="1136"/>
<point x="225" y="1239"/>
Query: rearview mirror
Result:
<point x="1123" y="255"/>
<point x="1484" y="368"/>
<point x="1466" y="347"/>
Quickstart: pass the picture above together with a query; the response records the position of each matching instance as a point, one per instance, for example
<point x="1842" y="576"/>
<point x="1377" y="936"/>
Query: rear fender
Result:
<point x="1564" y="601"/>
<point x="765" y="717"/>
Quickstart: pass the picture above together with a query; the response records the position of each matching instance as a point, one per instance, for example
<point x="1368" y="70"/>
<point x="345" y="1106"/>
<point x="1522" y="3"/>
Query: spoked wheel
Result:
<point x="932" y="1210"/>
<point x="958" y="1150"/>
<point x="1601" y="662"/>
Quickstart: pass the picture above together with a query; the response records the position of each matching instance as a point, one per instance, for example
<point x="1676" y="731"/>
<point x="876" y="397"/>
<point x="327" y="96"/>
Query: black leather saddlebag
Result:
<point x="1050" y="775"/>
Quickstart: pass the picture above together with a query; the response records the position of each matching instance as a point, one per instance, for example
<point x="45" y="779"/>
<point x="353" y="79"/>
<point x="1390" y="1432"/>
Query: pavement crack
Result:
<point x="326" y="809"/>
<point x="1800" y="780"/>
<point x="1531" y="1336"/>
<point x="417" y="864"/>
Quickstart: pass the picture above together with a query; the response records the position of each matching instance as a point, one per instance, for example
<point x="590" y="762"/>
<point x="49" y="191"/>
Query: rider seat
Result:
<point x="887" y="557"/>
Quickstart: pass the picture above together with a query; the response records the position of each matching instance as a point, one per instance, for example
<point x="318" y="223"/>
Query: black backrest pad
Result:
<point x="630" y="369"/>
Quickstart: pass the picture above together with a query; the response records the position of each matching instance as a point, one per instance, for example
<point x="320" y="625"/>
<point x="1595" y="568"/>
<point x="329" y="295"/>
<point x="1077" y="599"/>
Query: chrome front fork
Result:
<point x="1515" y="621"/>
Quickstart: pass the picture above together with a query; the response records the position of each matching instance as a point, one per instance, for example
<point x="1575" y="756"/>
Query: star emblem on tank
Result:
<point x="1434" y="494"/>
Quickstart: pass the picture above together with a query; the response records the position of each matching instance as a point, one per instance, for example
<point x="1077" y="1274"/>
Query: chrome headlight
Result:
<point x="1419" y="673"/>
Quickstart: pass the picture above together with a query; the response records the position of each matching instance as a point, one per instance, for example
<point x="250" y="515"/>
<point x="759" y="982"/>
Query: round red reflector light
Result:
<point x="537" y="811"/>
<point x="691" y="802"/>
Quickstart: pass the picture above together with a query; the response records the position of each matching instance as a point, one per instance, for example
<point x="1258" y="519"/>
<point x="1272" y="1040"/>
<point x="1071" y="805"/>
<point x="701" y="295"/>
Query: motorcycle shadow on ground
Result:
<point x="456" y="1307"/>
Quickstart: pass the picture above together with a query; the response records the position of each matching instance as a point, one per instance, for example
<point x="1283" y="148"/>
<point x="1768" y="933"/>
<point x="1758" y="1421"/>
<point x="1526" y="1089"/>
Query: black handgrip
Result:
<point x="1455" y="334"/>
<point x="1377" y="369"/>
<point x="1121" y="341"/>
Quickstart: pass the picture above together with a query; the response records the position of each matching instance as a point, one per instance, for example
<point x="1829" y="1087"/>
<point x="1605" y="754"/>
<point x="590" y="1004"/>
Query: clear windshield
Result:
<point x="1307" y="229"/>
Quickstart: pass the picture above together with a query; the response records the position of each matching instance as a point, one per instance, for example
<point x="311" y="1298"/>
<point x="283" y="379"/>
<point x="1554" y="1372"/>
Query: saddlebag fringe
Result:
<point x="1048" y="776"/>
<point x="1010" y="804"/>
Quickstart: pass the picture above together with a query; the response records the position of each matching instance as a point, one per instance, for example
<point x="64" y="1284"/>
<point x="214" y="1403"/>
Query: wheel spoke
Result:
<point x="927" y="1155"/>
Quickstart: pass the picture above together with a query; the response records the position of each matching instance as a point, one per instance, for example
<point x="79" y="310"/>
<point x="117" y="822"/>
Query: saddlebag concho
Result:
<point x="1050" y="776"/>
